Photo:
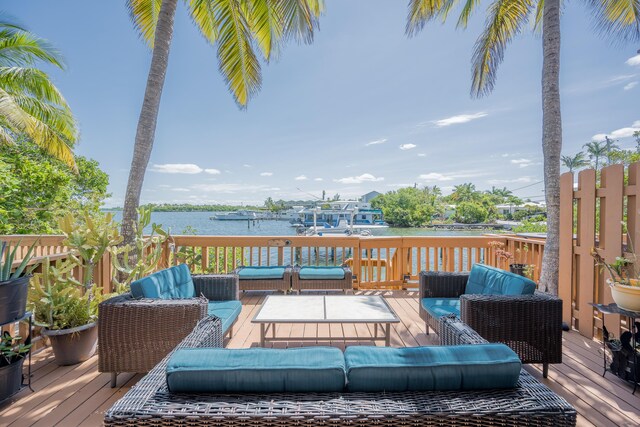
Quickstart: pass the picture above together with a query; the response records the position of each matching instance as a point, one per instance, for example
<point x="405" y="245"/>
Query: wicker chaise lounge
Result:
<point x="135" y="334"/>
<point x="530" y="324"/>
<point x="149" y="403"/>
<point x="264" y="278"/>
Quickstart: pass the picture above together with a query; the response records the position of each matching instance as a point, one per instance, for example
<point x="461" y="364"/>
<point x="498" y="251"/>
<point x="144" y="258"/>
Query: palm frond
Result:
<point x="144" y="14"/>
<point x="31" y="81"/>
<point x="467" y="10"/>
<point x="238" y="62"/>
<point x="202" y="14"/>
<point x="423" y="11"/>
<point x="267" y="25"/>
<point x="300" y="18"/>
<point x="20" y="48"/>
<point x="57" y="118"/>
<point x="506" y="20"/>
<point x="19" y="121"/>
<point x="618" y="18"/>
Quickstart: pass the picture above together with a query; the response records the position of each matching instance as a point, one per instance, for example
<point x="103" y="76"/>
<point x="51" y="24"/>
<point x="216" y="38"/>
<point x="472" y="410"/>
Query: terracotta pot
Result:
<point x="75" y="345"/>
<point x="627" y="297"/>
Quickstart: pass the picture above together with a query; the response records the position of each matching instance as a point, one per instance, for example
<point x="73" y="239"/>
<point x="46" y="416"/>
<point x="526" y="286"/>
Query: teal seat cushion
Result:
<point x="227" y="311"/>
<point x="170" y="283"/>
<point x="438" y="368"/>
<point x="256" y="273"/>
<point x="494" y="281"/>
<point x="438" y="307"/>
<point x="321" y="273"/>
<point x="256" y="370"/>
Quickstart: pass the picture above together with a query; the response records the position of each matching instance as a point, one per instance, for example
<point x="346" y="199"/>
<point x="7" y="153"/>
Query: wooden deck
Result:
<point x="79" y="395"/>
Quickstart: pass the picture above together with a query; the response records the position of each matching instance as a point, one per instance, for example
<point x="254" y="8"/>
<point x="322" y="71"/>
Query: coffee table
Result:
<point x="371" y="309"/>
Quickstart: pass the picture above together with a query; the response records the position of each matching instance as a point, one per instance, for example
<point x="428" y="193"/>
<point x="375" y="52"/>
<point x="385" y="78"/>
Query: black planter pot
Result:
<point x="518" y="269"/>
<point x="10" y="379"/>
<point x="75" y="345"/>
<point x="13" y="299"/>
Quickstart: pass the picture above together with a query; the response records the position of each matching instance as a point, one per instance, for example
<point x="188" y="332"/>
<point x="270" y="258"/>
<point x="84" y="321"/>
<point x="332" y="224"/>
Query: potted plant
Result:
<point x="624" y="280"/>
<point x="501" y="254"/>
<point x="12" y="354"/>
<point x="522" y="267"/>
<point x="13" y="283"/>
<point x="67" y="307"/>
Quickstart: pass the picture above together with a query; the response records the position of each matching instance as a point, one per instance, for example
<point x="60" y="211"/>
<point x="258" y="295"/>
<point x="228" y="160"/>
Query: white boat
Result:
<point x="242" y="215"/>
<point x="348" y="217"/>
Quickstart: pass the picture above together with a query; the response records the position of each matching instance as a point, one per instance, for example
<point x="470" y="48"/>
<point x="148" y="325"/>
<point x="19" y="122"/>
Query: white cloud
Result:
<point x="462" y="118"/>
<point x="505" y="155"/>
<point x="246" y="165"/>
<point x="318" y="179"/>
<point x="232" y="188"/>
<point x="634" y="60"/>
<point x="376" y="142"/>
<point x="434" y="176"/>
<point x="405" y="147"/>
<point x="422" y="155"/>
<point x="266" y="174"/>
<point x="180" y="189"/>
<point x="301" y="178"/>
<point x="440" y="177"/>
<point x="521" y="180"/>
<point x="212" y="171"/>
<point x="523" y="163"/>
<point x="365" y="177"/>
<point x="630" y="85"/>
<point x="619" y="133"/>
<point x="188" y="168"/>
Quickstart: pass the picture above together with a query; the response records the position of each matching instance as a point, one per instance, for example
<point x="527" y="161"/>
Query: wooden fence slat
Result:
<point x="586" y="240"/>
<point x="565" y="279"/>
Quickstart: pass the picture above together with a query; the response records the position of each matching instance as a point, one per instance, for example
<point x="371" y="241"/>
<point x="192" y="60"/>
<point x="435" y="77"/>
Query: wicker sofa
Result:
<point x="150" y="403"/>
<point x="530" y="324"/>
<point x="135" y="334"/>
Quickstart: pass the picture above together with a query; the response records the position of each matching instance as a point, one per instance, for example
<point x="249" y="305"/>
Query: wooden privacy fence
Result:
<point x="593" y="215"/>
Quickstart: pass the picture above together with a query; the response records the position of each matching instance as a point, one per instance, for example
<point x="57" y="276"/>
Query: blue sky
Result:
<point x="363" y="108"/>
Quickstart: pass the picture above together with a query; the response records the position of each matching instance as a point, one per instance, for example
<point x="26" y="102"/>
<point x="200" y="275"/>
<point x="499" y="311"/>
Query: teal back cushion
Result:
<point x="461" y="367"/>
<point x="171" y="283"/>
<point x="256" y="370"/>
<point x="261" y="273"/>
<point x="321" y="273"/>
<point x="494" y="281"/>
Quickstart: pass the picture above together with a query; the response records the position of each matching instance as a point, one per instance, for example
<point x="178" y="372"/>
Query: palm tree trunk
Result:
<point x="148" y="116"/>
<point x="551" y="141"/>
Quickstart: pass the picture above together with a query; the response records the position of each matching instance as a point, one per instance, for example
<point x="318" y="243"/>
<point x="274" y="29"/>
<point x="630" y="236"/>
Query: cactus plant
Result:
<point x="7" y="258"/>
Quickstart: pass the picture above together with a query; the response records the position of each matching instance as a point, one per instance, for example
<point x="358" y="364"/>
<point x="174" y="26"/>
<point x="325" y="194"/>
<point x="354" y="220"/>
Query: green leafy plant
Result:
<point x="60" y="301"/>
<point x="7" y="258"/>
<point x="132" y="262"/>
<point x="12" y="349"/>
<point x="89" y="236"/>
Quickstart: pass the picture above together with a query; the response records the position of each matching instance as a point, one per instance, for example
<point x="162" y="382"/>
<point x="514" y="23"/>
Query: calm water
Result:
<point x="177" y="222"/>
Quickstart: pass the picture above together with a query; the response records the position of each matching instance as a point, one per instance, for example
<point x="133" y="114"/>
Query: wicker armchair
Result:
<point x="135" y="334"/>
<point x="530" y="324"/>
<point x="345" y="284"/>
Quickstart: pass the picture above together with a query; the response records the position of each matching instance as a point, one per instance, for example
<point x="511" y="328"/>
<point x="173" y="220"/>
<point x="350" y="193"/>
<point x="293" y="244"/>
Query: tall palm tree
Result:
<point x="30" y="105"/>
<point x="506" y="19"/>
<point x="575" y="162"/>
<point x="596" y="150"/>
<point x="464" y="193"/>
<point x="611" y="147"/>
<point x="235" y="28"/>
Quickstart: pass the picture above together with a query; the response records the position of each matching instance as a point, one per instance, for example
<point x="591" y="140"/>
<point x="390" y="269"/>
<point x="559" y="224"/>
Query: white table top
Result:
<point x="325" y="309"/>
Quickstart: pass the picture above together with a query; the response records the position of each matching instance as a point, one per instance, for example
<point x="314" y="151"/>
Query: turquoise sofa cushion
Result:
<point x="462" y="367"/>
<point x="438" y="307"/>
<point x="171" y="283"/>
<point x="321" y="273"/>
<point x="256" y="370"/>
<point x="227" y="311"/>
<point x="256" y="273"/>
<point x="494" y="281"/>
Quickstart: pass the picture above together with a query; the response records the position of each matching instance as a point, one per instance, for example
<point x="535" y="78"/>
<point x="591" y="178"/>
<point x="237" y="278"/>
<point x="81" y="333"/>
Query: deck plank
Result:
<point x="79" y="395"/>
